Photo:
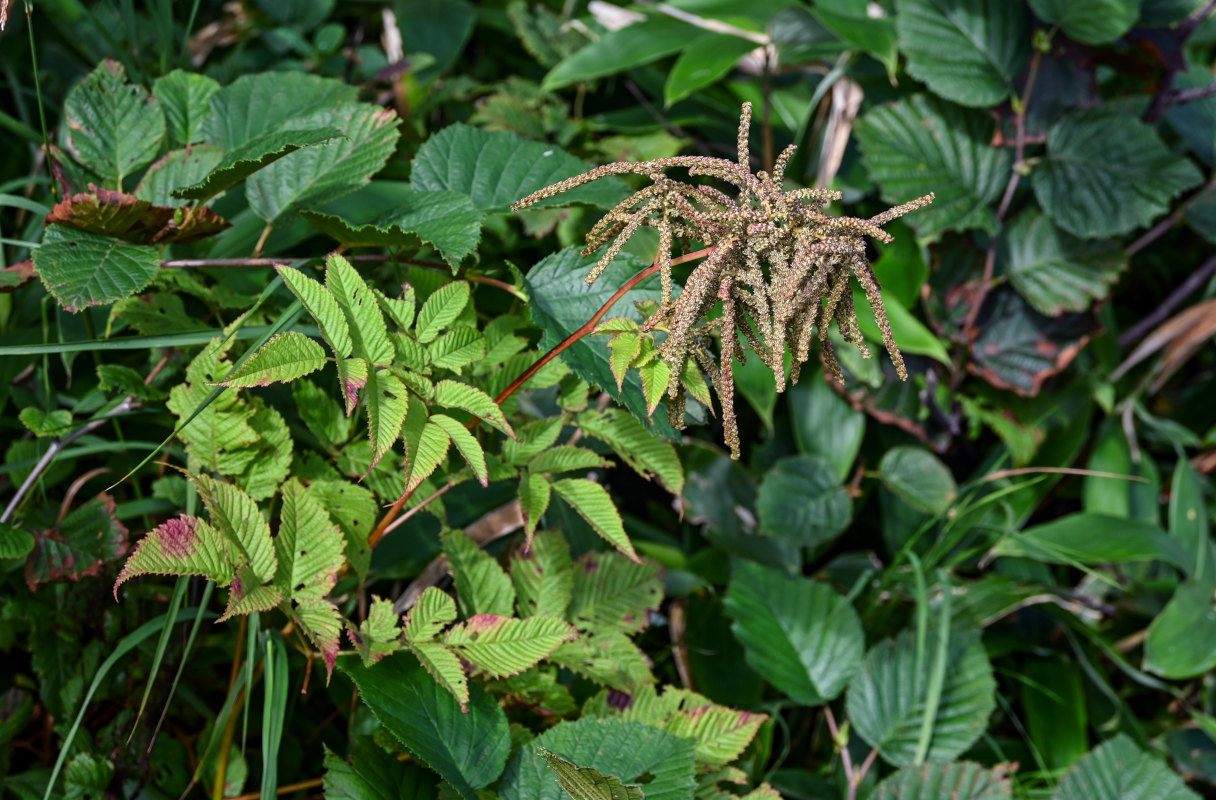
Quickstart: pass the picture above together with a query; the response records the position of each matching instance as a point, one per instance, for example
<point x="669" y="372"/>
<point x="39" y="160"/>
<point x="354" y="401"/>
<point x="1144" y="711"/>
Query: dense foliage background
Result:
<point x="993" y="580"/>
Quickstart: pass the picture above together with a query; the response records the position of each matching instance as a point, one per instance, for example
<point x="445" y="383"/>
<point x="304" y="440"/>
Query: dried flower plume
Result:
<point x="780" y="267"/>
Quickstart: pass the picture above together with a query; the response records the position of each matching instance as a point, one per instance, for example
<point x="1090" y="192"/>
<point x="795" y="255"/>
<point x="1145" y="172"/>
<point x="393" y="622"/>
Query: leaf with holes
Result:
<point x="387" y="406"/>
<point x="496" y="168"/>
<point x="286" y="357"/>
<point x="111" y="126"/>
<point x="886" y="701"/>
<point x="501" y="646"/>
<point x="593" y="503"/>
<point x="1108" y="186"/>
<point x="585" y="783"/>
<point x="923" y="142"/>
<point x="87" y="269"/>
<point x="308" y="546"/>
<point x="797" y="633"/>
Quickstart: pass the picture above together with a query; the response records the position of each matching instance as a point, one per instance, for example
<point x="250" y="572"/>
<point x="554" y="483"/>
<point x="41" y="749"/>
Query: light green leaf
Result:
<point x="324" y="309"/>
<point x="45" y="423"/>
<point x="501" y="646"/>
<point x="1108" y="186"/>
<point x="543" y="575"/>
<point x="322" y="624"/>
<point x="567" y="458"/>
<point x="873" y="35"/>
<point x="886" y="700"/>
<point x="533" y="438"/>
<point x="85" y="269"/>
<point x="496" y="168"/>
<point x="457" y="348"/>
<point x="593" y="504"/>
<point x="369" y="336"/>
<point x="962" y="780"/>
<point x="445" y="667"/>
<point x="654" y="375"/>
<point x="175" y="170"/>
<point x="627" y="750"/>
<point x="245" y="596"/>
<point x="353" y="509"/>
<point x="609" y="659"/>
<point x="16" y="543"/>
<point x="801" y="498"/>
<point x="586" y="783"/>
<point x="271" y="457"/>
<point x="1053" y="271"/>
<point x="534" y="494"/>
<point x="432" y="612"/>
<point x="308" y="546"/>
<point x="612" y="593"/>
<point x="968" y="51"/>
<point x="440" y="310"/>
<point x="379" y="634"/>
<point x="235" y="515"/>
<point x="648" y="455"/>
<point x="624" y="348"/>
<point x="1089" y="21"/>
<point x="798" y="634"/>
<point x="321" y="414"/>
<point x="1181" y="641"/>
<point x="319" y="174"/>
<point x="245" y="159"/>
<point x="466" y="445"/>
<point x="285" y="358"/>
<point x="181" y="546"/>
<point x="257" y="104"/>
<point x="426" y="445"/>
<point x="703" y="62"/>
<point x="1088" y="538"/>
<point x="617" y="51"/>
<point x="111" y="126"/>
<point x="220" y="436"/>
<point x="468" y="750"/>
<point x="482" y="587"/>
<point x="919" y="478"/>
<point x="919" y="145"/>
<point x="1118" y="770"/>
<point x="451" y="394"/>
<point x="444" y="220"/>
<point x="184" y="98"/>
<point x="400" y="310"/>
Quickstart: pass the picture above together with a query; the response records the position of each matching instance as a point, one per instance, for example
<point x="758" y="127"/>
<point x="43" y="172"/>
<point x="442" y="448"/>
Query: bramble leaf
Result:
<point x="369" y="336"/>
<point x="235" y="515"/>
<point x="567" y="458"/>
<point x="380" y="634"/>
<point x="426" y="445"/>
<point x="387" y="406"/>
<point x="308" y="546"/>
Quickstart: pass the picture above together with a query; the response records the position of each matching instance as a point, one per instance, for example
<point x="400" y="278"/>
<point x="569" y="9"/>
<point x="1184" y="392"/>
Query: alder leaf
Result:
<point x="440" y="310"/>
<point x="586" y="783"/>
<point x="260" y="103"/>
<point x="184" y="98"/>
<point x="244" y="160"/>
<point x="501" y="646"/>
<point x="482" y="587"/>
<point x="466" y="445"/>
<point x="543" y="575"/>
<point x="111" y="126"/>
<point x="593" y="503"/>
<point x="83" y="269"/>
<point x="286" y="357"/>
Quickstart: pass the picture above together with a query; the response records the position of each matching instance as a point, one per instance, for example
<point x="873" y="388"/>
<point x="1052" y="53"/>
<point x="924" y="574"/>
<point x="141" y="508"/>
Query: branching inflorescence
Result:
<point x="780" y="267"/>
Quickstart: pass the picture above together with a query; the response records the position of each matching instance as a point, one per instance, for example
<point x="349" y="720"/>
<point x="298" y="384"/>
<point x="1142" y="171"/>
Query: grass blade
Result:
<point x="273" y="713"/>
<point x="175" y="604"/>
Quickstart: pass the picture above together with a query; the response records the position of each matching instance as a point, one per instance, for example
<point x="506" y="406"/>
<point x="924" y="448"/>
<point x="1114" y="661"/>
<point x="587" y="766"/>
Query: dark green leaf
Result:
<point x="111" y="126"/>
<point x="86" y="269"/>
<point x="702" y="62"/>
<point x="185" y="98"/>
<point x="1088" y="538"/>
<point x="247" y="158"/>
<point x="374" y="774"/>
<point x="1056" y="717"/>
<point x="919" y="478"/>
<point x="178" y="169"/>
<point x="1195" y="121"/>
<point x="824" y="423"/>
<point x="872" y="35"/>
<point x="438" y="27"/>
<point x="1181" y="640"/>
<point x="958" y="781"/>
<point x="801" y="498"/>
<point x="1019" y="349"/>
<point x="258" y="104"/>
<point x="1089" y="21"/>
<point x="617" y="51"/>
<point x="1118" y="770"/>
<point x="1053" y="271"/>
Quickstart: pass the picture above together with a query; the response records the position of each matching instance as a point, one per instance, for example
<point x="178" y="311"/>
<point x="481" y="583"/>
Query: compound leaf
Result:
<point x="482" y="587"/>
<point x="612" y="593"/>
<point x="451" y="394"/>
<point x="286" y="357"/>
<point x="501" y="646"/>
<point x="543" y="575"/>
<point x="182" y="546"/>
<point x="466" y="444"/>
<point x="440" y="309"/>
<point x="432" y="612"/>
<point x="648" y="455"/>
<point x="593" y="503"/>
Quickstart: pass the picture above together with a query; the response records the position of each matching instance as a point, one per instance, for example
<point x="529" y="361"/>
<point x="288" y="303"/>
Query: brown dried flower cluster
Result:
<point x="780" y="267"/>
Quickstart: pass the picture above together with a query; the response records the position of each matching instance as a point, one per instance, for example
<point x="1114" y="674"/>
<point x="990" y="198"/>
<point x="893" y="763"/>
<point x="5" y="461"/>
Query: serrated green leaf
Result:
<point x="308" y="546"/>
<point x="648" y="455"/>
<point x="16" y="543"/>
<point x="919" y="478"/>
<point x="801" y="498"/>
<point x="609" y="659"/>
<point x="543" y="575"/>
<point x="256" y="154"/>
<point x="968" y="51"/>
<point x="612" y="593"/>
<point x="324" y="309"/>
<point x="236" y="516"/>
<point x="387" y="406"/>
<point x="319" y="174"/>
<point x="1109" y="186"/>
<point x="322" y="624"/>
<point x="380" y="634"/>
<point x="501" y="646"/>
<point x="655" y="375"/>
<point x="111" y="126"/>
<point x="496" y="168"/>
<point x="175" y="170"/>
<point x="1118" y="770"/>
<point x="721" y="733"/>
<point x="270" y="459"/>
<point x="959" y="781"/>
<point x="886" y="700"/>
<point x="567" y="458"/>
<point x="220" y="436"/>
<point x="451" y="394"/>
<point x="457" y="348"/>
<point x="353" y="509"/>
<point x="426" y="445"/>
<point x="482" y="587"/>
<point x="400" y="310"/>
<point x="920" y="144"/>
<point x="562" y="302"/>
<point x="45" y="423"/>
<point x="616" y="51"/>
<point x="440" y="310"/>
<point x="444" y="220"/>
<point x="375" y="774"/>
<point x="624" y="348"/>
<point x="533" y="438"/>
<point x="369" y="336"/>
<point x="799" y="634"/>
<point x="246" y="596"/>
<point x="184" y="98"/>
<point x="182" y="546"/>
<point x="432" y="612"/>
<point x="257" y="104"/>
<point x="586" y="783"/>
<point x="627" y="750"/>
<point x="444" y="666"/>
<point x="466" y="445"/>
<point x="85" y="269"/>
<point x="321" y="414"/>
<point x="1053" y="271"/>
<point x="285" y="358"/>
<point x="468" y="750"/>
<point x="593" y="503"/>
<point x="1195" y="121"/>
<point x="1089" y="21"/>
